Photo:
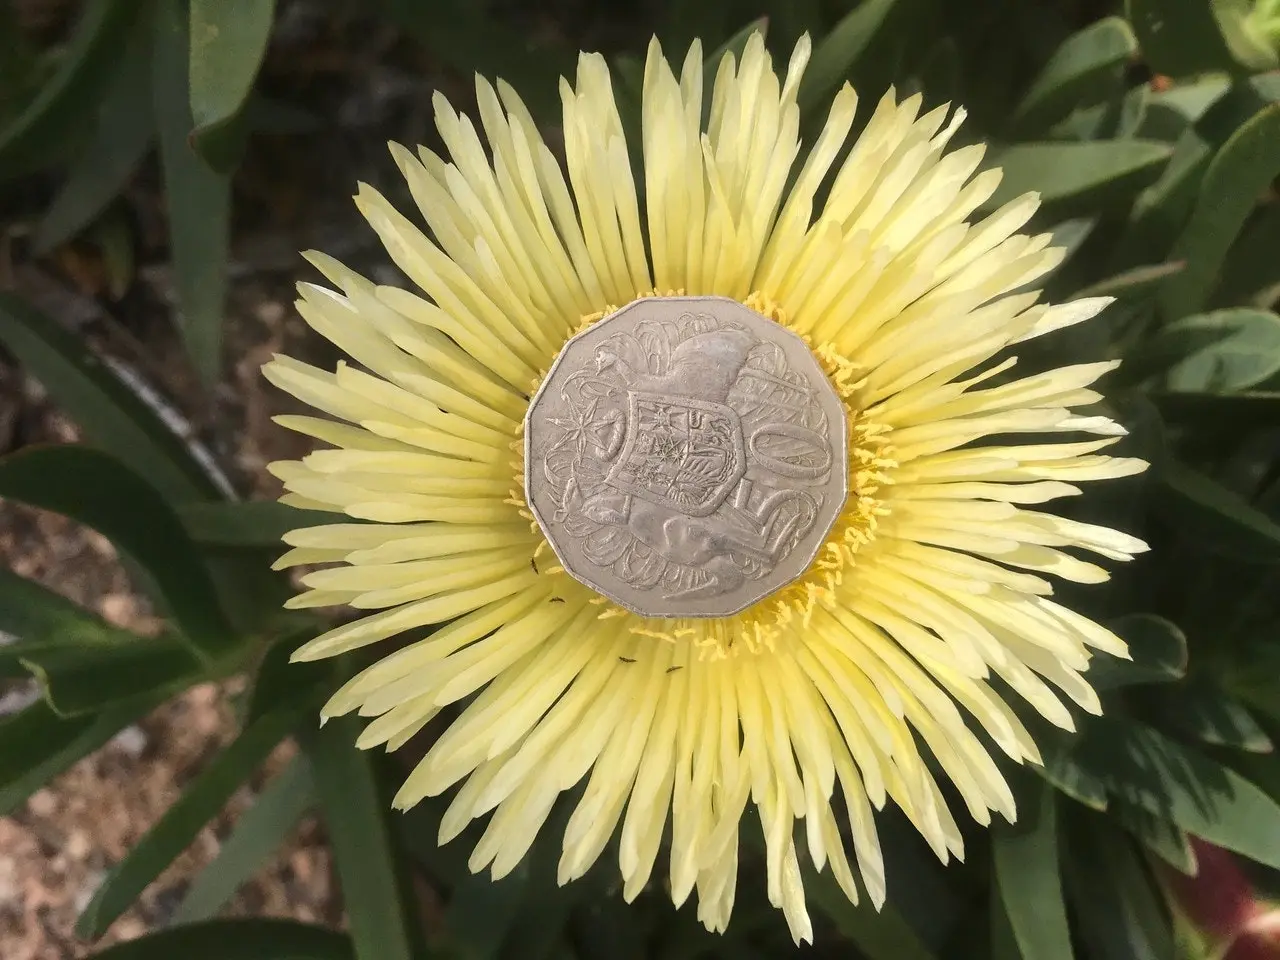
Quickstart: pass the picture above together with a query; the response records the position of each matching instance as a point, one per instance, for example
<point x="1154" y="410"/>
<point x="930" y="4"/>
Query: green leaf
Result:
<point x="482" y="911"/>
<point x="1117" y="907"/>
<point x="36" y="745"/>
<point x="1157" y="646"/>
<point x="734" y="45"/>
<point x="1204" y="511"/>
<point x="257" y="523"/>
<point x="112" y="416"/>
<point x="1179" y="37"/>
<point x="1084" y="70"/>
<point x="1250" y="274"/>
<point x="84" y="677"/>
<point x="836" y="54"/>
<point x="203" y="797"/>
<point x="1162" y="837"/>
<point x="1212" y="716"/>
<point x="1132" y="284"/>
<point x="39" y="617"/>
<point x="236" y="940"/>
<point x="256" y="836"/>
<point x="1079" y="177"/>
<point x="1233" y="182"/>
<point x="879" y="934"/>
<point x="355" y="815"/>
<point x="65" y="99"/>
<point x="228" y="41"/>
<point x="1147" y="769"/>
<point x="1244" y="35"/>
<point x="198" y="200"/>
<point x="1061" y="769"/>
<point x="106" y="163"/>
<point x="101" y="492"/>
<point x="1025" y="858"/>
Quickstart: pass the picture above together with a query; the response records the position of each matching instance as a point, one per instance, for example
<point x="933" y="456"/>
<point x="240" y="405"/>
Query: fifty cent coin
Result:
<point x="686" y="456"/>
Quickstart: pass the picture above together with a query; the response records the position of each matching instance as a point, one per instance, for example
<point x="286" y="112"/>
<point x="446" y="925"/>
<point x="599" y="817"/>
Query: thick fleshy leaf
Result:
<point x="228" y="41"/>
<point x="1082" y="177"/>
<point x="1117" y="905"/>
<point x="1213" y="716"/>
<point x="255" y="838"/>
<point x="1158" y="649"/>
<point x="70" y="94"/>
<point x="258" y="523"/>
<point x="1249" y="274"/>
<point x="835" y="56"/>
<point x="198" y="200"/>
<point x="1179" y="37"/>
<point x="1162" y="837"/>
<point x="239" y="939"/>
<point x="203" y="797"/>
<point x="1245" y="166"/>
<point x="84" y="678"/>
<point x="1025" y="857"/>
<point x="1084" y="70"/>
<point x="132" y="514"/>
<point x="36" y="745"/>
<point x="1069" y="777"/>
<point x="122" y="134"/>
<point x="112" y="414"/>
<point x="1205" y="511"/>
<point x="356" y="816"/>
<point x="1145" y="768"/>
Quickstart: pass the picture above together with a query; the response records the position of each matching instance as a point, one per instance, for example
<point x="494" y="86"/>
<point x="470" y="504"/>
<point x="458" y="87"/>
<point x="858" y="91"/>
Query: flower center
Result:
<point x="697" y="463"/>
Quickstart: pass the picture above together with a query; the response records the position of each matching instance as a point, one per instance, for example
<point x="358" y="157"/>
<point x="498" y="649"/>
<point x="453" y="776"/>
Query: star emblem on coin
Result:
<point x="686" y="456"/>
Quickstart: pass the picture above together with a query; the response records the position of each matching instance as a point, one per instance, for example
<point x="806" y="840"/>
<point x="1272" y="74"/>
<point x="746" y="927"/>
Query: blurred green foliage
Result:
<point x="1151" y="129"/>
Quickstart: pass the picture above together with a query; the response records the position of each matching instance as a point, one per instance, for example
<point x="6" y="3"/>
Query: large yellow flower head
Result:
<point x="932" y="577"/>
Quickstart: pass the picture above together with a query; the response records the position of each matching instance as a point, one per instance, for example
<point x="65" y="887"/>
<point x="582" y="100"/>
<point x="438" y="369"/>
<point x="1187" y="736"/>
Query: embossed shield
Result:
<point x="680" y="452"/>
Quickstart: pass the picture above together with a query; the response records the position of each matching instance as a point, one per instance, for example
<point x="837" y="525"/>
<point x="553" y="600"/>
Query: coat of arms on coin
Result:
<point x="686" y="456"/>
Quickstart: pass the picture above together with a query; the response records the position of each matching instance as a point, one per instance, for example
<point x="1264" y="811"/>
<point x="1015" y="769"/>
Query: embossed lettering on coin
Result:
<point x="686" y="456"/>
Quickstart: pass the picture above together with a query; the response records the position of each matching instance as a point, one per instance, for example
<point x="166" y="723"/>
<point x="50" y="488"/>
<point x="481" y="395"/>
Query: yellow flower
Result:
<point x="932" y="582"/>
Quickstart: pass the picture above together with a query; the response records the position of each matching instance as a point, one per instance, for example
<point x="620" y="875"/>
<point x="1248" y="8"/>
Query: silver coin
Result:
<point x="686" y="456"/>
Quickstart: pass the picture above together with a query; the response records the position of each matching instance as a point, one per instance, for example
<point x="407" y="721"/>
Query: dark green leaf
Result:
<point x="1118" y="909"/>
<point x="228" y="41"/>
<point x="880" y="935"/>
<point x="1158" y="649"/>
<point x="204" y="796"/>
<point x="1203" y="510"/>
<point x="1250" y="274"/>
<point x="1132" y="284"/>
<point x="258" y="523"/>
<point x="1084" y="70"/>
<point x="40" y="618"/>
<point x="1061" y="769"/>
<point x="482" y="910"/>
<point x="1179" y="37"/>
<point x="88" y="675"/>
<point x="120" y="139"/>
<point x="254" y="839"/>
<point x="1079" y="176"/>
<point x="1208" y="714"/>
<point x="1236" y="177"/>
<point x="1025" y="857"/>
<point x="65" y="100"/>
<point x="1147" y="769"/>
<point x="130" y="513"/>
<point x="198" y="200"/>
<point x="236" y="940"/>
<point x="835" y="56"/>
<point x="356" y="815"/>
<point x="276" y="681"/>
<point x="36" y="745"/>
<point x="111" y="414"/>
<point x="1162" y="837"/>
